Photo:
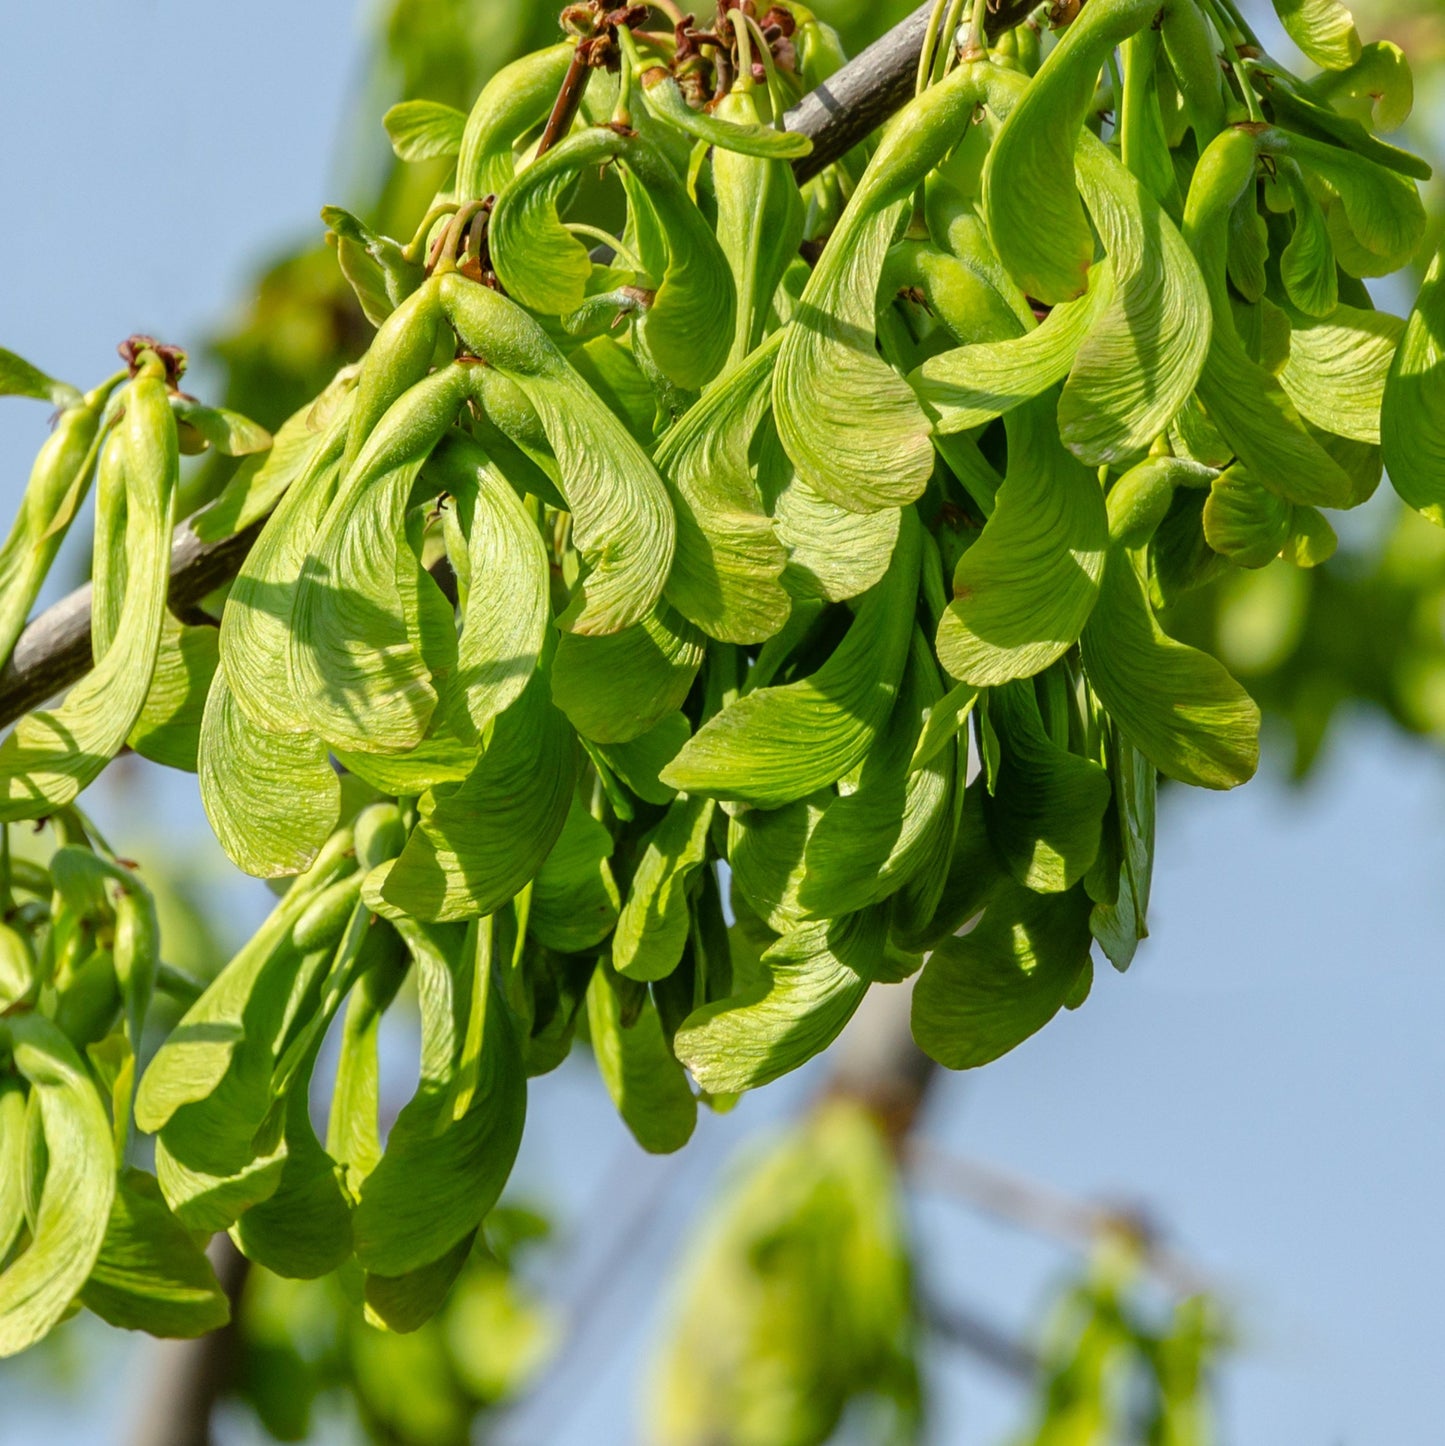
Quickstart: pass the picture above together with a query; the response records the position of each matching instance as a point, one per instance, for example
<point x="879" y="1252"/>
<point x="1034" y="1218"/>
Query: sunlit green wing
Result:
<point x="973" y="384"/>
<point x="424" y="130"/>
<point x="1119" y="882"/>
<point x="646" y="1083"/>
<point x="1378" y="87"/>
<point x="515" y="100"/>
<point x="759" y="223"/>
<point x="1030" y="169"/>
<point x="353" y="665"/>
<point x="982" y="994"/>
<point x="817" y="975"/>
<point x="1323" y="29"/>
<point x="574" y="900"/>
<point x="1175" y="704"/>
<point x="451" y="1149"/>
<point x="658" y="658"/>
<point x="639" y="762"/>
<point x="1412" y="423"/>
<point x="353" y="1128"/>
<point x="1243" y="521"/>
<point x="271" y="798"/>
<point x="13" y="1150"/>
<point x="622" y="521"/>
<point x="766" y="849"/>
<point x="167" y="730"/>
<point x="725" y="575"/>
<point x="1024" y="590"/>
<point x="652" y="928"/>
<point x="1245" y="402"/>
<point x="686" y="327"/>
<point x="1307" y="263"/>
<point x="302" y="1230"/>
<point x="689" y="318"/>
<point x="505" y="615"/>
<point x="52" y="755"/>
<point x="37" y="1287"/>
<point x="1338" y="367"/>
<point x="59" y="479"/>
<point x="664" y="98"/>
<point x="1047" y="808"/>
<point x="851" y="424"/>
<point x="1378" y="221"/>
<point x="150" y="1274"/>
<point x="1141" y="361"/>
<point x="776" y="744"/>
<point x="199" y="1051"/>
<point x="832" y="554"/>
<point x="20" y="378"/>
<point x="480" y="841"/>
<point x="897" y="824"/>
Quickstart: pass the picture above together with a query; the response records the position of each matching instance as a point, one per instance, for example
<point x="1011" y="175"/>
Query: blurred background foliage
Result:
<point x="795" y="1318"/>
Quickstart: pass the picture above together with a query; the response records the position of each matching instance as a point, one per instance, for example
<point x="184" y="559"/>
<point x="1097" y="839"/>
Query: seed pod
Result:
<point x="58" y="483"/>
<point x="622" y="522"/>
<point x="52" y="755"/>
<point x="759" y="224"/>
<point x="68" y="1219"/>
<point x="89" y="1000"/>
<point x="516" y="99"/>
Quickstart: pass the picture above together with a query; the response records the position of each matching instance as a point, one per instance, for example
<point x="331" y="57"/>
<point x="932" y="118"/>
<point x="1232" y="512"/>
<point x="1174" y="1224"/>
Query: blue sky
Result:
<point x="1266" y="1077"/>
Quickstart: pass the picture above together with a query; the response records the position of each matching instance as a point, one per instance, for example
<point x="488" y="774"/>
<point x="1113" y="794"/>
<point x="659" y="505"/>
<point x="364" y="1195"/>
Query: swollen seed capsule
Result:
<point x="326" y="914"/>
<point x="89" y="1005"/>
<point x="380" y="835"/>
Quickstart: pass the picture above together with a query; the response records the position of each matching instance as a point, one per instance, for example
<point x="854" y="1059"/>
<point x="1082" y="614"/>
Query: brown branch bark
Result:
<point x="190" y="1377"/>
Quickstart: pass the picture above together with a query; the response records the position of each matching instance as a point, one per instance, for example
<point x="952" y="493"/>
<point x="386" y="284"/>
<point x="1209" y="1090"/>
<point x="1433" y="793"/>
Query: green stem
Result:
<point x="1222" y="24"/>
<point x="744" y="40"/>
<point x="948" y="51"/>
<point x="622" y="111"/>
<point x="581" y="228"/>
<point x="1238" y="17"/>
<point x="976" y="45"/>
<point x="930" y="43"/>
<point x="765" y="50"/>
<point x="415" y="249"/>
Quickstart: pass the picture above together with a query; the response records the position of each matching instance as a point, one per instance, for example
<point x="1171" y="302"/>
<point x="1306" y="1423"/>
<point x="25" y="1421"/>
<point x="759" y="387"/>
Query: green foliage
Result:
<point x="80" y="967"/>
<point x="645" y="554"/>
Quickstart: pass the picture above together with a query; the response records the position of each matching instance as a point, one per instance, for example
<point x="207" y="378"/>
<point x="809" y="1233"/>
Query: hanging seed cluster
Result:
<point x="79" y="966"/>
<point x="614" y="642"/>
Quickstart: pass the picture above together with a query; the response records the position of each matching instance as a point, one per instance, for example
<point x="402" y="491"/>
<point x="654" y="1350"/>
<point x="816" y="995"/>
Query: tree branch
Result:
<point x="876" y="82"/>
<point x="55" y="649"/>
<point x="191" y="1376"/>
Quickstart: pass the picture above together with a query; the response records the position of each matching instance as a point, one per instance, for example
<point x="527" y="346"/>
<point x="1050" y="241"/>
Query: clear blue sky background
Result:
<point x="1267" y="1078"/>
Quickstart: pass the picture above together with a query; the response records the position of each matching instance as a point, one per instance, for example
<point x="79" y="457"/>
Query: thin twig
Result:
<point x="963" y="1327"/>
<point x="1037" y="1208"/>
